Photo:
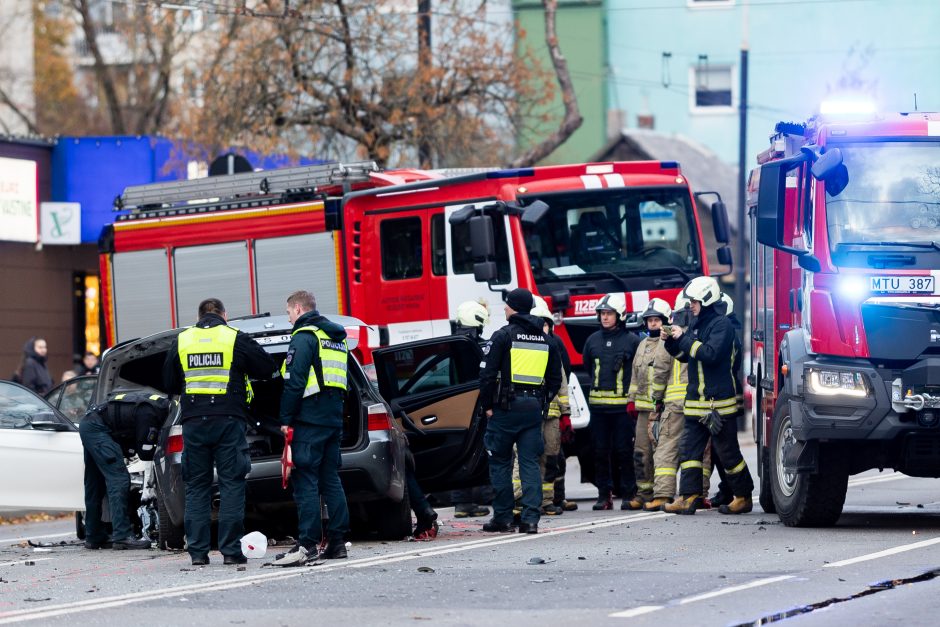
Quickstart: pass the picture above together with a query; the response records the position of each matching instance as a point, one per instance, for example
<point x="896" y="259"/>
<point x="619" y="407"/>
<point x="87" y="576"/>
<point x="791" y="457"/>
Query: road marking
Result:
<point x="637" y="611"/>
<point x="878" y="479"/>
<point x="51" y="535"/>
<point x="893" y="551"/>
<point x="36" y="559"/>
<point x="647" y="609"/>
<point x="227" y="584"/>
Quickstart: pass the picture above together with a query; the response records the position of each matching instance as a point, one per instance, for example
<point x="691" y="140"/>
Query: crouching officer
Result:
<point x="312" y="403"/>
<point x="710" y="404"/>
<point x="210" y="364"/>
<point x="128" y="423"/>
<point x="520" y="372"/>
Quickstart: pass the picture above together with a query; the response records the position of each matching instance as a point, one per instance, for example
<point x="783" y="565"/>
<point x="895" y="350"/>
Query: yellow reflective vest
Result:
<point x="206" y="357"/>
<point x="333" y="357"/>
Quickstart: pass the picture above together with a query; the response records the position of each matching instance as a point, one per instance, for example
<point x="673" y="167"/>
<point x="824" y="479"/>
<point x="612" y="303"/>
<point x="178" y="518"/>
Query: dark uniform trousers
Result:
<point x="105" y="475"/>
<point x="521" y="426"/>
<point x="725" y="444"/>
<point x="219" y="441"/>
<point x="613" y="428"/>
<point x="316" y="455"/>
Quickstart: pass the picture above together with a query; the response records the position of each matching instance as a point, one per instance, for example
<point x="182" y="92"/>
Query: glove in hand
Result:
<point x="713" y="422"/>
<point x="631" y="410"/>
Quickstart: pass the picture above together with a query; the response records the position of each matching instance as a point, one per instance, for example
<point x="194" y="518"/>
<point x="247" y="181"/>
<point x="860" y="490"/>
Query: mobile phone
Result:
<point x="667" y="329"/>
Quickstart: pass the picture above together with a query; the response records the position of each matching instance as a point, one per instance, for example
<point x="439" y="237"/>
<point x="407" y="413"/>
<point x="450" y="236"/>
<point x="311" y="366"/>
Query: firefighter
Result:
<point x="608" y="357"/>
<point x="128" y="424"/>
<point x="710" y="405"/>
<point x="520" y="373"/>
<point x="312" y="403"/>
<point x="209" y="365"/>
<point x="651" y="368"/>
<point x="552" y="461"/>
<point x="666" y="433"/>
<point x="471" y="317"/>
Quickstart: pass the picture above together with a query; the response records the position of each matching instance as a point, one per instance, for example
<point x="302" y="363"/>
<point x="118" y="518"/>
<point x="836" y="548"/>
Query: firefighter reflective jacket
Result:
<point x="708" y="346"/>
<point x="518" y="359"/>
<point x="208" y="365"/>
<point x="559" y="405"/>
<point x="608" y="358"/>
<point x="651" y="368"/>
<point x="676" y="388"/>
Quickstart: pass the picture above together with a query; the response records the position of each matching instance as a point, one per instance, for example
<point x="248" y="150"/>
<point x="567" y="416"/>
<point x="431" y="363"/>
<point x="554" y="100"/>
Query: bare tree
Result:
<point x="334" y="77"/>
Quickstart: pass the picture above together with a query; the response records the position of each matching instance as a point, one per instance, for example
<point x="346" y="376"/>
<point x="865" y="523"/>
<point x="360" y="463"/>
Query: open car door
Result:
<point x="433" y="387"/>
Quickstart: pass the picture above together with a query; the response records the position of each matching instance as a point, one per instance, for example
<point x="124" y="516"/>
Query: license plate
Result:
<point x="901" y="284"/>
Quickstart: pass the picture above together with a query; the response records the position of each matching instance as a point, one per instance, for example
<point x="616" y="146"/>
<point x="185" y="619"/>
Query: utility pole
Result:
<point x="424" y="67"/>
<point x="742" y="302"/>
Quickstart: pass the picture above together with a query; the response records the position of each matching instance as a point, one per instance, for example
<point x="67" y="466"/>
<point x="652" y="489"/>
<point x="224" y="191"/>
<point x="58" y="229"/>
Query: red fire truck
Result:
<point x="845" y="307"/>
<point x="400" y="249"/>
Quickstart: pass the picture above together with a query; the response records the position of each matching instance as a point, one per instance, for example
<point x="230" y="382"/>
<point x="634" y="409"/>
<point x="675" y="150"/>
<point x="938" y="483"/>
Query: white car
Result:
<point x="41" y="457"/>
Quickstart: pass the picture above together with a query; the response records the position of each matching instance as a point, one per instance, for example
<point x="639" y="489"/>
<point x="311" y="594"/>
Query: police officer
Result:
<point x="608" y="358"/>
<point x="651" y="368"/>
<point x="710" y="404"/>
<point x="315" y="387"/>
<point x="128" y="423"/>
<point x="519" y="374"/>
<point x="209" y="364"/>
<point x="471" y="317"/>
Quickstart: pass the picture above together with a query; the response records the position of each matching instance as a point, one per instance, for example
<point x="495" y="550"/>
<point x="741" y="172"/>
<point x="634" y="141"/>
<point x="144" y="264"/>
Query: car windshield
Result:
<point x="622" y="231"/>
<point x="892" y="199"/>
<point x="19" y="407"/>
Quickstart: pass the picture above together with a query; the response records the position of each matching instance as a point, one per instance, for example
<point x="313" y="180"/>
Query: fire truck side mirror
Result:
<point x="830" y="169"/>
<point x="720" y="222"/>
<point x="724" y="256"/>
<point x="482" y="244"/>
<point x="534" y="212"/>
<point x="771" y="202"/>
<point x="484" y="272"/>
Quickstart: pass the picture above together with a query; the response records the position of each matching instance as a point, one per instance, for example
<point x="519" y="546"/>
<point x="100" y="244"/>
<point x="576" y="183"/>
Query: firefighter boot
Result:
<point x="684" y="505"/>
<point x="656" y="504"/>
<point x="603" y="502"/>
<point x="637" y="502"/>
<point x="740" y="505"/>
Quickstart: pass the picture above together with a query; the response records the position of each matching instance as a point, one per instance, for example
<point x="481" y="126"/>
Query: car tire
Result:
<point x="171" y="537"/>
<point x="79" y="525"/>
<point x="805" y="499"/>
<point x="392" y="519"/>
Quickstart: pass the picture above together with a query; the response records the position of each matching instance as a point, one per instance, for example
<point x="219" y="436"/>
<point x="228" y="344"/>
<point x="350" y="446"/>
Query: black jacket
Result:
<point x="526" y="328"/>
<point x="248" y="358"/>
<point x="34" y="375"/>
<point x="707" y="346"/>
<point x="326" y="407"/>
<point x="608" y="352"/>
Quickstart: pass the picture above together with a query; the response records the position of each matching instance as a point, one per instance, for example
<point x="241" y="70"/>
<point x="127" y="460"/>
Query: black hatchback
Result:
<point x="424" y="396"/>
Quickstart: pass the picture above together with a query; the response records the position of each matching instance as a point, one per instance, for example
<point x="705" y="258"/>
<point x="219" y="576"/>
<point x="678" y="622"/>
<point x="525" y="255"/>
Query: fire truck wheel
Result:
<point x="391" y="519"/>
<point x="171" y="536"/>
<point x="766" y="490"/>
<point x="805" y="499"/>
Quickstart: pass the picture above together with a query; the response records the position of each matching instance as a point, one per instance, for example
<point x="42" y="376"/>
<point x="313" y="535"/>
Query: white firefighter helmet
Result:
<point x="540" y="309"/>
<point x="613" y="302"/>
<point x="729" y="304"/>
<point x="472" y="314"/>
<point x="704" y="289"/>
<point x="657" y="308"/>
<point x="681" y="302"/>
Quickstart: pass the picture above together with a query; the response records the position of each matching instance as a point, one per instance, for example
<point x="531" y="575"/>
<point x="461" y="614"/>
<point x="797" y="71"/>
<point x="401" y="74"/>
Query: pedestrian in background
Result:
<point x="87" y="365"/>
<point x="519" y="374"/>
<point x="32" y="371"/>
<point x="209" y="365"/>
<point x="608" y="358"/>
<point x="312" y="404"/>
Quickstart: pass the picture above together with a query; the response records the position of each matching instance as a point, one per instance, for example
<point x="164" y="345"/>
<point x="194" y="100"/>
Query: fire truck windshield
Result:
<point x="892" y="199"/>
<point x="614" y="234"/>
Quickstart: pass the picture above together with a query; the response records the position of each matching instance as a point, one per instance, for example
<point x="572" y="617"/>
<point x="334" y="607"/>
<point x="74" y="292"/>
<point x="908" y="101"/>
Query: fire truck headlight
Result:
<point x="836" y="383"/>
<point x="852" y="288"/>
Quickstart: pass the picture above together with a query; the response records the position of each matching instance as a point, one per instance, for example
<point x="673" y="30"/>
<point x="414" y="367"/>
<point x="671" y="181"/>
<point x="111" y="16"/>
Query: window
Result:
<point x="438" y="246"/>
<point x="401" y="249"/>
<point x="20" y="407"/>
<point x="712" y="88"/>
<point x="462" y="259"/>
<point x="430" y="367"/>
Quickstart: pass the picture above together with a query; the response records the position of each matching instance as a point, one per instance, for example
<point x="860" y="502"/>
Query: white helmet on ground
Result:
<point x="657" y="308"/>
<point x="613" y="302"/>
<point x="472" y="314"/>
<point x="540" y="309"/>
<point x="704" y="289"/>
<point x="729" y="304"/>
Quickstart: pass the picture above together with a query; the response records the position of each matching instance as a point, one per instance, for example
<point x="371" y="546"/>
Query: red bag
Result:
<point x="287" y="460"/>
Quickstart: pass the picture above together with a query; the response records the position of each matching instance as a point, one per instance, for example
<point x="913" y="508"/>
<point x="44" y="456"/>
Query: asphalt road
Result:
<point x="873" y="568"/>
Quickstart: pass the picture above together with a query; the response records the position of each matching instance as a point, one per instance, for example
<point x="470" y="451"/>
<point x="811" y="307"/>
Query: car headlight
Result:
<point x="836" y="383"/>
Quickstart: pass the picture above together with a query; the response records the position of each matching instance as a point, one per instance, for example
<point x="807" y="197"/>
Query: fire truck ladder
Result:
<point x="241" y="186"/>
